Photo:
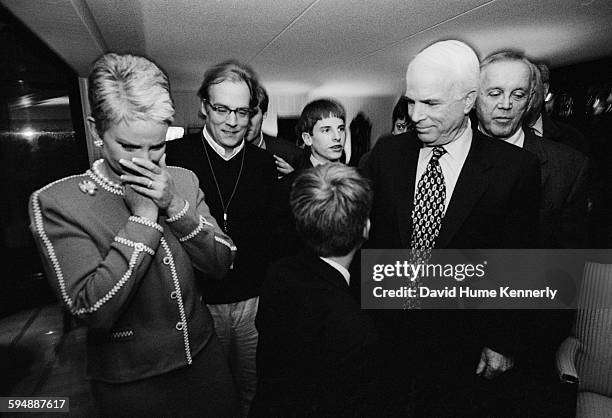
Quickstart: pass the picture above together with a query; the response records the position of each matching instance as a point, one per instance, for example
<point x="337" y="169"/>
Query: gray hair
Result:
<point x="457" y="58"/>
<point x="510" y="56"/>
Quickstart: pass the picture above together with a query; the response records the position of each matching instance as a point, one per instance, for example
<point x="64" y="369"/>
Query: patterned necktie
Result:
<point x="426" y="218"/>
<point x="429" y="204"/>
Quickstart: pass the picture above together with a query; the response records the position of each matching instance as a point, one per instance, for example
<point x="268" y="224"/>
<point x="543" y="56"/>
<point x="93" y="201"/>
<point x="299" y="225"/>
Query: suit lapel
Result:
<point x="535" y="145"/>
<point x="472" y="182"/>
<point x="404" y="193"/>
<point x="549" y="127"/>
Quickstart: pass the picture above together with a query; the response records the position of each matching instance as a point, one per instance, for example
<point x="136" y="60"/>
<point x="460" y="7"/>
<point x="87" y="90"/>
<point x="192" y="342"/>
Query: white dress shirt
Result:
<point x="451" y="162"/>
<point x="219" y="149"/>
<point x="315" y="162"/>
<point x="260" y="143"/>
<point x="538" y="127"/>
<point x="518" y="138"/>
<point x="341" y="269"/>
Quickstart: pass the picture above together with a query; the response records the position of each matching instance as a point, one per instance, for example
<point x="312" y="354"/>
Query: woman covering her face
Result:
<point x="120" y="244"/>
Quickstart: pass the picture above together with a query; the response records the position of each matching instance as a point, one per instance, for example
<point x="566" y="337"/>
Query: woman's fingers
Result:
<point x="141" y="166"/>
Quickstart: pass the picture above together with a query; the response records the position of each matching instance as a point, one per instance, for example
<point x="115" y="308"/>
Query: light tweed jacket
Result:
<point x="130" y="280"/>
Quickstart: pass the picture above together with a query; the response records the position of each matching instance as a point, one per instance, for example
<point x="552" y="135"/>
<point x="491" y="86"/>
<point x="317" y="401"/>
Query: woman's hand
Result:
<point x="139" y="204"/>
<point x="153" y="182"/>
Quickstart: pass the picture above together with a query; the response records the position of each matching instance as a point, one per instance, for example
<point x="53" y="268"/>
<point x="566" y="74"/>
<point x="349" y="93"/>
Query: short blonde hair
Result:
<point x="126" y="88"/>
<point x="331" y="205"/>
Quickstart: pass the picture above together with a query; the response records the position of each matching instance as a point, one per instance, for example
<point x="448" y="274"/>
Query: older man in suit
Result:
<point x="487" y="197"/>
<point x="507" y="82"/>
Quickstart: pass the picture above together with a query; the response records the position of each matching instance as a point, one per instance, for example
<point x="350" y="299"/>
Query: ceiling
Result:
<point x="332" y="47"/>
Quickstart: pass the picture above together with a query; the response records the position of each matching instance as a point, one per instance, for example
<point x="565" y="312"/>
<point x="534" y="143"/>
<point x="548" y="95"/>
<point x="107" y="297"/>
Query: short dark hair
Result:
<point x="317" y="110"/>
<point x="231" y="70"/>
<point x="262" y="98"/>
<point x="331" y="204"/>
<point x="400" y="111"/>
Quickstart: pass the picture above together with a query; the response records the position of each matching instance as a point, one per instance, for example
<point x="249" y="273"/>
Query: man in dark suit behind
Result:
<point x="506" y="80"/>
<point x="490" y="200"/>
<point x="317" y="350"/>
<point x="541" y="124"/>
<point x="287" y="156"/>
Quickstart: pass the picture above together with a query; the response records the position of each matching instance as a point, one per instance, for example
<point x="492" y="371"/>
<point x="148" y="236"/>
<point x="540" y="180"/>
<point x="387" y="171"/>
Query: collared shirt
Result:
<point x="341" y="269"/>
<point x="451" y="162"/>
<point x="315" y="162"/>
<point x="261" y="143"/>
<point x="538" y="127"/>
<point x="518" y="138"/>
<point x="218" y="148"/>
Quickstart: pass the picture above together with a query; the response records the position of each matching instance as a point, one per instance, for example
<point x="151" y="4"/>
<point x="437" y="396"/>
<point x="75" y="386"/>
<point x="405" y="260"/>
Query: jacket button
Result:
<point x="179" y="326"/>
<point x="173" y="295"/>
<point x="167" y="260"/>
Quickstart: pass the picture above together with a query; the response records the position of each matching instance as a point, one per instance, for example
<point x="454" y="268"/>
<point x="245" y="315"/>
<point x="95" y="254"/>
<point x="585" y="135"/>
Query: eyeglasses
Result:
<point x="224" y="111"/>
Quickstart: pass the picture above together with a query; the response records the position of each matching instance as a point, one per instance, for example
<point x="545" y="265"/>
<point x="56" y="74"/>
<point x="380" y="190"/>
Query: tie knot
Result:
<point x="437" y="153"/>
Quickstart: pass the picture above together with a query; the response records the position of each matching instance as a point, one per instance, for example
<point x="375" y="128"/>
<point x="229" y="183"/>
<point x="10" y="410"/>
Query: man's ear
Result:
<point x="203" y="109"/>
<point x="366" y="229"/>
<point x="470" y="100"/>
<point x="307" y="138"/>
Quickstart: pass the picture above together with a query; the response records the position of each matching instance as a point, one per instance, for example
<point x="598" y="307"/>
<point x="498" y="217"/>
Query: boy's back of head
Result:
<point x="331" y="204"/>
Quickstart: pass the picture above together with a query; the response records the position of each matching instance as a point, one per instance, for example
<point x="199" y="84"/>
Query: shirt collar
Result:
<point x="226" y="155"/>
<point x="537" y="127"/>
<point x="261" y="143"/>
<point x="315" y="162"/>
<point x="461" y="145"/>
<point x="341" y="269"/>
<point x="518" y="138"/>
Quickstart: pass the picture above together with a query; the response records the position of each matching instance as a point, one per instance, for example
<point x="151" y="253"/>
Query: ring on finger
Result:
<point x="150" y="184"/>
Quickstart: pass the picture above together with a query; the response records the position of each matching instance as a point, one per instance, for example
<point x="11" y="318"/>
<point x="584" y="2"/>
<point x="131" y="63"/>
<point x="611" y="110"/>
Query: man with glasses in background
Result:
<point x="237" y="179"/>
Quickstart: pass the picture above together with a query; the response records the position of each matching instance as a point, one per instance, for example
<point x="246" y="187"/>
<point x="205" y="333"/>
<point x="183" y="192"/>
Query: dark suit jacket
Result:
<point x="285" y="239"/>
<point x="566" y="134"/>
<point x="317" y="350"/>
<point x="494" y="204"/>
<point x="284" y="149"/>
<point x="563" y="209"/>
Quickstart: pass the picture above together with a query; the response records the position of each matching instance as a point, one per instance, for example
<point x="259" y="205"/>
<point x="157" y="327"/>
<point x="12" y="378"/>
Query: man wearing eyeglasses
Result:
<point x="237" y="179"/>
